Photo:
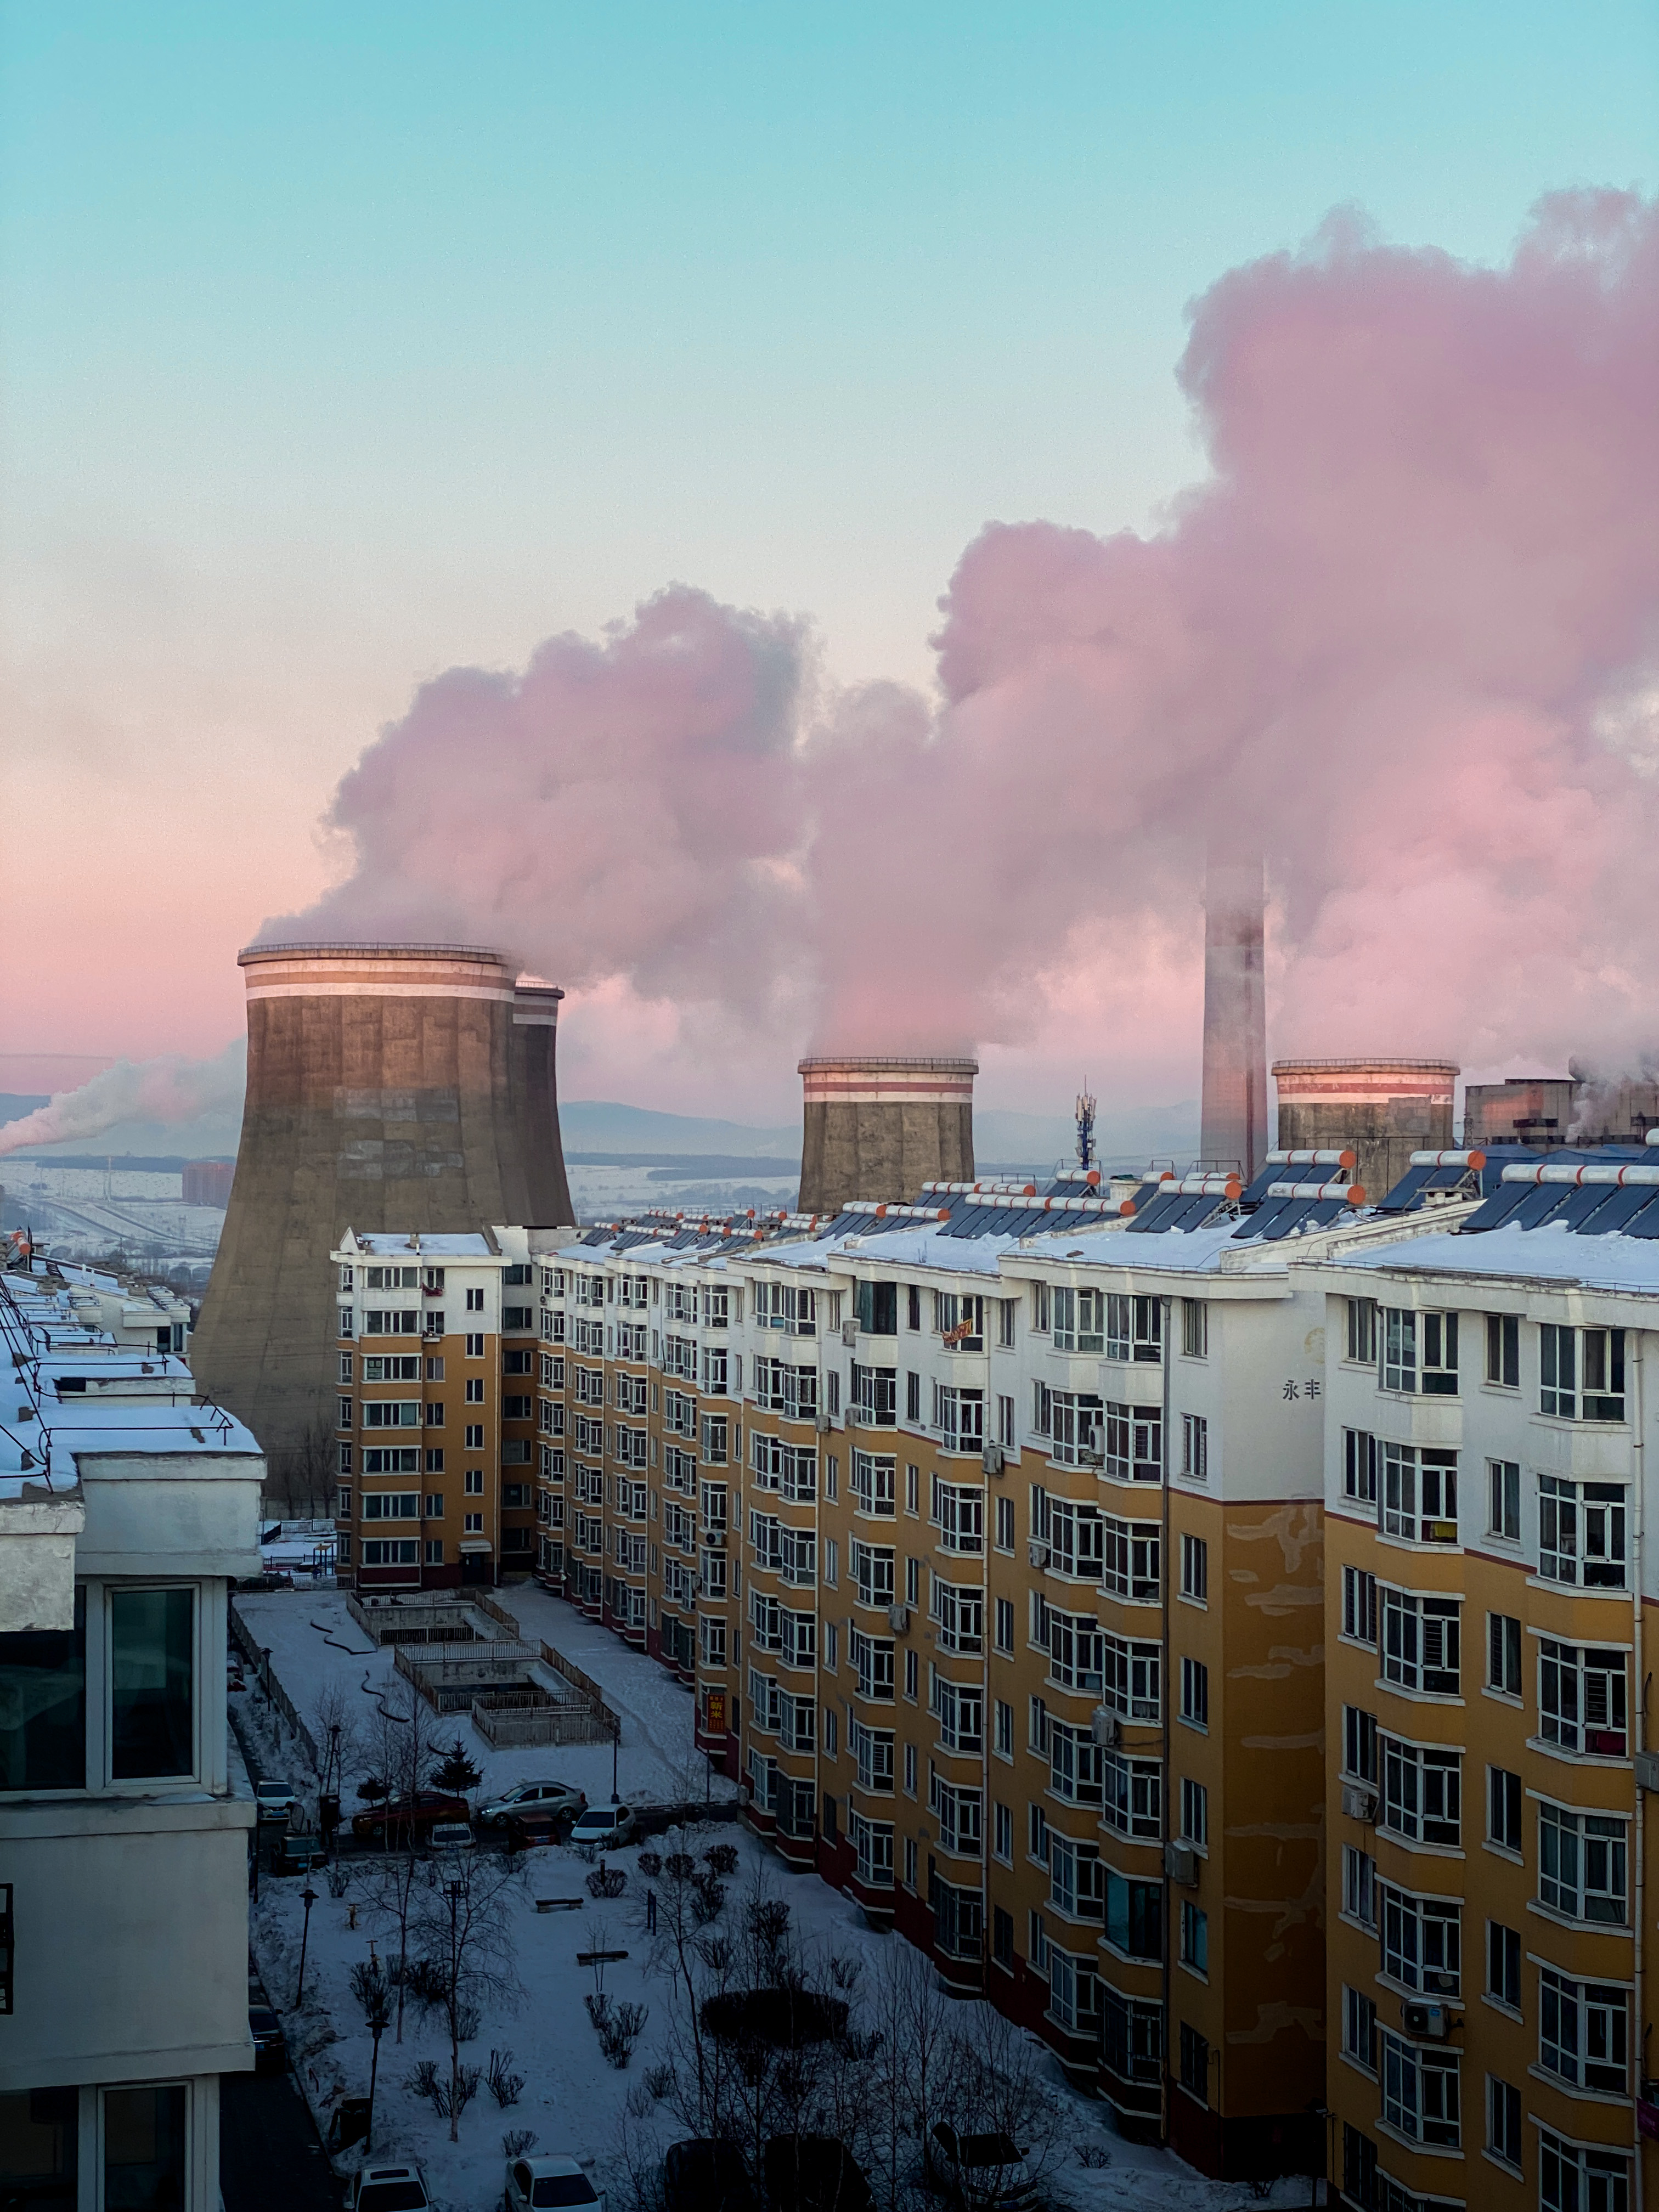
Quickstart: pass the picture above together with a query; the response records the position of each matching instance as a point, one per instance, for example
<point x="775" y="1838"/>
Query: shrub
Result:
<point x="504" y="2086"/>
<point x="338" y="1878"/>
<point x="681" y="1865"/>
<point x="468" y="2020"/>
<point x="1093" y="2154"/>
<point x="618" y="2026"/>
<point x="651" y="1863"/>
<point x="707" y="1896"/>
<point x="722" y="1858"/>
<point x="517" y="2140"/>
<point x="606" y="1881"/>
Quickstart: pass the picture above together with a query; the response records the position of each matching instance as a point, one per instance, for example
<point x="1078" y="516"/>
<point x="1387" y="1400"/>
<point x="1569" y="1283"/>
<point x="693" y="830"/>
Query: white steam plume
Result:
<point x="170" y="1088"/>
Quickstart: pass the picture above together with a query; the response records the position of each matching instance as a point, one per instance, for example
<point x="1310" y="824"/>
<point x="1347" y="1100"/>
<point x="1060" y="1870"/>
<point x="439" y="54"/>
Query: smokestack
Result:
<point x="1233" y="1129"/>
<point x="881" y="1128"/>
<point x="1383" y="1110"/>
<point x="404" y="1087"/>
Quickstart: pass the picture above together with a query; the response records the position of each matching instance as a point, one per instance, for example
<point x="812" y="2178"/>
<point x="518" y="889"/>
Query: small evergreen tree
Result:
<point x="457" y="1774"/>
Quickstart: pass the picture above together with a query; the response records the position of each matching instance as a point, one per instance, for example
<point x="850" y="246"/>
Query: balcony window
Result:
<point x="1419" y="1494"/>
<point x="43" y="1707"/>
<point x="1582" y="1533"/>
<point x="1421" y="1639"/>
<point x="1422" y="1942"/>
<point x="1079" y="1320"/>
<point x="1584" y="2032"/>
<point x="1422" y="1792"/>
<point x="874" y="1475"/>
<point x="1133" y="2035"/>
<point x="146" y="2148"/>
<point x="1581" y="1699"/>
<point x="1134" y="1443"/>
<point x="1420" y="2092"/>
<point x="1581" y="1373"/>
<point x="153" y="1682"/>
<point x="1582" y="1865"/>
<point x="1134" y="1916"/>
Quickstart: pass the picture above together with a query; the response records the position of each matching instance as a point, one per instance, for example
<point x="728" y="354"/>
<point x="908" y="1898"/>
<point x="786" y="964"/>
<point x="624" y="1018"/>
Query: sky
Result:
<point x="344" y="346"/>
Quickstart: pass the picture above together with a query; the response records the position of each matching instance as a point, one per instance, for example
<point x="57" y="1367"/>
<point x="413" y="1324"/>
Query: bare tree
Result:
<point x="399" y="1746"/>
<point x="300" y="1475"/>
<point x="464" y="1942"/>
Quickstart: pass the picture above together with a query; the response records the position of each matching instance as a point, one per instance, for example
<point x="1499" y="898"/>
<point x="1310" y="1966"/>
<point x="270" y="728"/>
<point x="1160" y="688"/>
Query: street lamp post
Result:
<point x="307" y="1897"/>
<point x="616" y="1747"/>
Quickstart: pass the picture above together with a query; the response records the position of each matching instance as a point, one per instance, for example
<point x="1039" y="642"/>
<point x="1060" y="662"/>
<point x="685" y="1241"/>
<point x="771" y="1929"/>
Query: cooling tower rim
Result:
<point x="823" y="1062"/>
<point x="1382" y="1065"/>
<point x="335" y="948"/>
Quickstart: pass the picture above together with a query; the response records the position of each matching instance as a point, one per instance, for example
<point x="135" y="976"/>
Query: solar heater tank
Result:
<point x="1383" y="1110"/>
<point x="880" y="1128"/>
<point x="390" y="1087"/>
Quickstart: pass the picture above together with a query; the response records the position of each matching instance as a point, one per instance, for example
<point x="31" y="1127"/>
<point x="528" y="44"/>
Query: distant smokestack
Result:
<point x="1233" y="1130"/>
<point x="881" y="1128"/>
<point x="402" y="1087"/>
<point x="1383" y="1110"/>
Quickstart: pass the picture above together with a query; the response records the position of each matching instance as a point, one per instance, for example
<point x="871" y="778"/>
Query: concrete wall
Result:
<point x="1382" y="1111"/>
<point x="881" y="1128"/>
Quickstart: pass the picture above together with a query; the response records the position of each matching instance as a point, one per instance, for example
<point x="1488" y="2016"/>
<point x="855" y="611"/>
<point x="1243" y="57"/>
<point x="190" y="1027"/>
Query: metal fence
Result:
<point x="282" y="1705"/>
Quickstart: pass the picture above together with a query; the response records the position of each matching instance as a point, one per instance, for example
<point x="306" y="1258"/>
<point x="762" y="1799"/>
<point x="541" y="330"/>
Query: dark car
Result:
<point x="299" y="1854"/>
<point x="401" y="1818"/>
<point x="979" y="2172"/>
<point x="813" y="2174"/>
<point x="270" y="2044"/>
<point x="702" y="2175"/>
<point x="537" y="1825"/>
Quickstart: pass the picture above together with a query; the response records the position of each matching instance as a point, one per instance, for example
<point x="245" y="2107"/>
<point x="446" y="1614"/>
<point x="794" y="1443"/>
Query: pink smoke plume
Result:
<point x="1403" y="638"/>
<point x="170" y="1089"/>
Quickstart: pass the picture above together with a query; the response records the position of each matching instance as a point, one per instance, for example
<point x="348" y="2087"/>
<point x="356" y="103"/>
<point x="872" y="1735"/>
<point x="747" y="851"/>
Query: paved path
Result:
<point x="270" y="2158"/>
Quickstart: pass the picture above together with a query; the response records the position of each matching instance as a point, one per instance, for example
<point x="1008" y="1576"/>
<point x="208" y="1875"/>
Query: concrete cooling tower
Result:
<point x="1383" y="1110"/>
<point x="881" y="1128"/>
<point x="389" y="1087"/>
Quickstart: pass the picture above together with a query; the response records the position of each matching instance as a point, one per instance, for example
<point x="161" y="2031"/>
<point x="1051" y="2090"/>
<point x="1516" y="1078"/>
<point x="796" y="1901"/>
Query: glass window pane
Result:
<point x="144" y="2146"/>
<point x="38" y="2144"/>
<point x="151" y="1633"/>
<point x="43" y="1707"/>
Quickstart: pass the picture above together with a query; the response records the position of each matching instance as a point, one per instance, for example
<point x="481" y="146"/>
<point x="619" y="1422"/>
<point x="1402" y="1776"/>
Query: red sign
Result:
<point x="714" y="1719"/>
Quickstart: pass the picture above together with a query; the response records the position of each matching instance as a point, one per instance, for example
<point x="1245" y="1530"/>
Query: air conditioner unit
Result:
<point x="822" y="1424"/>
<point x="1358" y="1804"/>
<point x="1105" y="1728"/>
<point x="715" y="1539"/>
<point x="1180" y="1864"/>
<point x="898" y="1619"/>
<point x="993" y="1459"/>
<point x="1647" y="1770"/>
<point x="1429" y="2023"/>
<point x="849" y="1334"/>
<point x="1037" y="1553"/>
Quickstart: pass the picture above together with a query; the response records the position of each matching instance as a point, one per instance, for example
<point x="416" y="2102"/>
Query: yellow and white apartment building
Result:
<point x="1212" y="1630"/>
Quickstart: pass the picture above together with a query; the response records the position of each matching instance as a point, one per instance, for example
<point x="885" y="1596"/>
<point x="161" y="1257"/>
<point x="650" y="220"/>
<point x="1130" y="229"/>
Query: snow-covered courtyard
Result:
<point x="572" y="2098"/>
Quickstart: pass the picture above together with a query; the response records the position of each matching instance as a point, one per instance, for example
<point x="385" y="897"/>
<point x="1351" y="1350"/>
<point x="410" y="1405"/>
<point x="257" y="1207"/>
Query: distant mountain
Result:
<point x="598" y="1125"/>
<point x="14" y="1104"/>
<point x="1133" y="1134"/>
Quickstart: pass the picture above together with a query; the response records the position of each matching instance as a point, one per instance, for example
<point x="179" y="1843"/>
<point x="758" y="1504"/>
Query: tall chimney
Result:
<point x="1233" y="1130"/>
<point x="881" y="1128"/>
<point x="401" y="1087"/>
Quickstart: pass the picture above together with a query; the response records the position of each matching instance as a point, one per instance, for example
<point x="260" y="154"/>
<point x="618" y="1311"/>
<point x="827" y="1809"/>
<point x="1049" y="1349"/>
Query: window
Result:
<point x="1581" y="1865"/>
<point x="872" y="1851"/>
<point x="1422" y="1792"/>
<point x="1194" y="1569"/>
<point x="43" y="1707"/>
<point x="1196" y="1692"/>
<point x="475" y="1346"/>
<point x="1359" y="1886"/>
<point x="1194" y="1448"/>
<point x="1003" y="1839"/>
<point x="1571" y="2179"/>
<point x="1135" y="1443"/>
<point x="391" y="1505"/>
<point x="1583" y="2032"/>
<point x="147" y="2146"/>
<point x="1419" y="1494"/>
<point x="1005" y="1422"/>
<point x="1503" y="1808"/>
<point x="1581" y="1373"/>
<point x="958" y="1614"/>
<point x="1194" y="1329"/>
<point x="434" y="1551"/>
<point x="1504" y="1351"/>
<point x="1076" y="1767"/>
<point x="1503" y="2121"/>
<point x="1130" y="1565"/>
<point x="1399" y="1363"/>
<point x="1359" y="1466"/>
<point x="1359" y="1744"/>
<point x="1421" y="1942"/>
<point x="1195" y="1813"/>
<point x="1503" y="1654"/>
<point x="1131" y="1687"/>
<point x="1504" y="1500"/>
<point x="1005" y="1724"/>
<point x="1131" y="1802"/>
<point x="1079" y="1320"/>
<point x="1358" y="2167"/>
<point x="1362" y="1331"/>
<point x="1581" y="1699"/>
<point x="1133" y="2033"/>
<point x="1359" y="2029"/>
<point x="435" y="1506"/>
<point x="873" y="1476"/>
<point x="1005" y="1626"/>
<point x="1195" y="1937"/>
<point x="872" y="1573"/>
<point x="1360" y="1604"/>
<point x="1004" y="1524"/>
<point x="1002" y="1938"/>
<point x="1419" y="1351"/>
<point x="1421" y="1640"/>
<point x="959" y="1515"/>
<point x="875" y="1306"/>
<point x="1420" y="2091"/>
<point x="392" y="1551"/>
<point x="872" y="1396"/>
<point x="472" y="1482"/>
<point x="1582" y="1531"/>
<point x="152" y="1681"/>
<point x="1134" y="1916"/>
<point x="475" y="1301"/>
<point x="1504" y="1964"/>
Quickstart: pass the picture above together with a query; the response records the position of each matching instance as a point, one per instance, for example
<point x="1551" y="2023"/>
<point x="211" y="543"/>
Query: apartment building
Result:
<point x="990" y="1531"/>
<point x="1490" y="1791"/>
<point x="437" y="1363"/>
<point x="126" y="1510"/>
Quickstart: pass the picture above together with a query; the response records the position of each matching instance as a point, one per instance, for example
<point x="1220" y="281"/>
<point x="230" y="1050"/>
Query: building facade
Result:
<point x="126" y="1510"/>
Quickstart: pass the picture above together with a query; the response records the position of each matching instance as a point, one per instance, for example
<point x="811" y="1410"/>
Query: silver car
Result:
<point x="550" y="2183"/>
<point x="532" y="1796"/>
<point x="388" y="2189"/>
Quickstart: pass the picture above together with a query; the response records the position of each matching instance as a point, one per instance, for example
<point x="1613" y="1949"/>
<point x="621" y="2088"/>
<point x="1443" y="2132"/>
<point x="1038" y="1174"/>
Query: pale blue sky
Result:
<point x="343" y="341"/>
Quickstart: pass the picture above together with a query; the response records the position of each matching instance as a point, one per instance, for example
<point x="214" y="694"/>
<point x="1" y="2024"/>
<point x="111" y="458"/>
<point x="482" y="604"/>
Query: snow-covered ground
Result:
<point x="572" y="2099"/>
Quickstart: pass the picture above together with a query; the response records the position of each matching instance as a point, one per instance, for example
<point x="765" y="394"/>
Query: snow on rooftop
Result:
<point x="1552" y="1254"/>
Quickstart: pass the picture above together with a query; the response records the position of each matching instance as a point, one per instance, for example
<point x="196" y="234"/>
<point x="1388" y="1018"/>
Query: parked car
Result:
<point x="526" y="1796"/>
<point x="270" y="2044"/>
<point x="528" y="1829"/>
<point x="388" y="2189"/>
<point x="299" y="1854"/>
<point x="450" y="1836"/>
<point x="813" y="2174"/>
<point x="270" y="1580"/>
<point x="542" y="2184"/>
<point x="401" y="1817"/>
<point x="704" y="2175"/>
<point x="274" y="1800"/>
<point x="607" y="1825"/>
<point x="979" y="2173"/>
